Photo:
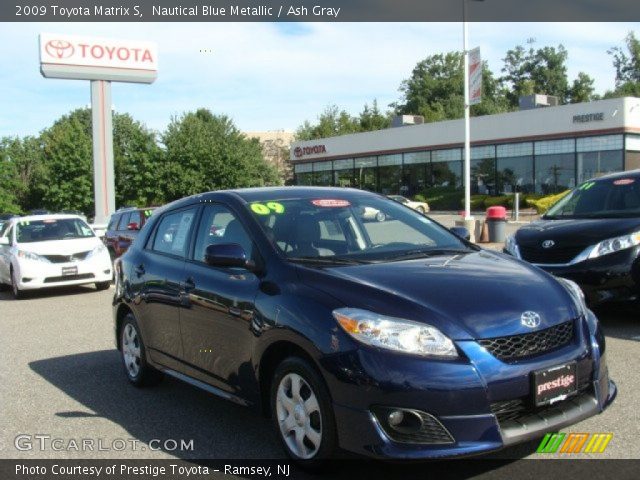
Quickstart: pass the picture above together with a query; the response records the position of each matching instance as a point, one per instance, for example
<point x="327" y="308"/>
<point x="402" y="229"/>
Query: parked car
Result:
<point x="303" y="309"/>
<point x="123" y="228"/>
<point x="43" y="251"/>
<point x="370" y="213"/>
<point x="591" y="236"/>
<point x="421" y="207"/>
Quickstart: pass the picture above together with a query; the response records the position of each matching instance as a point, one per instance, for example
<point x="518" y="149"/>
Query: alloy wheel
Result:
<point x="131" y="350"/>
<point x="299" y="416"/>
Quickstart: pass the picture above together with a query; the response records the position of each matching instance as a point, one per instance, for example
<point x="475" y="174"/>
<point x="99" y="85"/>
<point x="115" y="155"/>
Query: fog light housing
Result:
<point x="407" y="425"/>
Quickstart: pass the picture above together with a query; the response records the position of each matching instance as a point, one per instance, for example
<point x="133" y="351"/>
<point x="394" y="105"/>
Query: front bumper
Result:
<point x="33" y="275"/>
<point x="462" y="395"/>
<point x="613" y="277"/>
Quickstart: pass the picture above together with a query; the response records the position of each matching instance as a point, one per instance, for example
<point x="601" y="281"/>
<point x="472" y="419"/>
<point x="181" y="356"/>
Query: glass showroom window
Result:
<point x="632" y="156"/>
<point x="323" y="174"/>
<point x="390" y="173"/>
<point x="446" y="168"/>
<point x="365" y="173"/>
<point x="483" y="170"/>
<point x="599" y="155"/>
<point x="414" y="173"/>
<point x="515" y="168"/>
<point x="555" y="166"/>
<point x="343" y="172"/>
<point x="304" y="174"/>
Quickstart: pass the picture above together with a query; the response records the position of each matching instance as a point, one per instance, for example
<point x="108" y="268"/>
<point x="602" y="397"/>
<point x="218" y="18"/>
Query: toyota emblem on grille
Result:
<point x="548" y="244"/>
<point x="530" y="319"/>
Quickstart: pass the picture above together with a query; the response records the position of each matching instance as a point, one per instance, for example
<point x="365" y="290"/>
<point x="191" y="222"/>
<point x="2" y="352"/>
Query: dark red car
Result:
<point x="123" y="229"/>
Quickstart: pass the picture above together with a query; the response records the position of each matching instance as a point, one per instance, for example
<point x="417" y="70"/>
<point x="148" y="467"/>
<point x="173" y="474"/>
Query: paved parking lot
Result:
<point x="61" y="377"/>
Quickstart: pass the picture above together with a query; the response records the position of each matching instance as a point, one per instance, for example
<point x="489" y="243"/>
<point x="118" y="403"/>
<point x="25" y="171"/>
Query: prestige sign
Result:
<point x="90" y="58"/>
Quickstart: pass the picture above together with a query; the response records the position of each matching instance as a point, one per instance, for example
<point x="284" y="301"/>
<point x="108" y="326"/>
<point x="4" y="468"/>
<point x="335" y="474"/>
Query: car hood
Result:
<point x="575" y="232"/>
<point x="61" y="247"/>
<point x="477" y="295"/>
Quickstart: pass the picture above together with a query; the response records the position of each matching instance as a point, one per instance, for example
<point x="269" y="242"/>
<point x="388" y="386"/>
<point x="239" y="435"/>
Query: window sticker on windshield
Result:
<point x="49" y="220"/>
<point x="624" y="181"/>
<point x="24" y="223"/>
<point x="586" y="186"/>
<point x="267" y="208"/>
<point x="331" y="203"/>
<point x="148" y="213"/>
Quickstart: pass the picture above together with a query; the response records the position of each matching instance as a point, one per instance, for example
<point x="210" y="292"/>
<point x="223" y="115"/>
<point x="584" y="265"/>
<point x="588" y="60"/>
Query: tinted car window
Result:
<point x="619" y="197"/>
<point x="218" y="225"/>
<point x="136" y="217"/>
<point x="124" y="221"/>
<point x="113" y="222"/>
<point x="172" y="232"/>
<point x="52" y="229"/>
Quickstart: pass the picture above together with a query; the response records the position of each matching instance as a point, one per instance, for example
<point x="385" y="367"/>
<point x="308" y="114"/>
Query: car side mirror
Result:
<point x="4" y="241"/>
<point x="227" y="255"/>
<point x="133" y="226"/>
<point x="461" y="232"/>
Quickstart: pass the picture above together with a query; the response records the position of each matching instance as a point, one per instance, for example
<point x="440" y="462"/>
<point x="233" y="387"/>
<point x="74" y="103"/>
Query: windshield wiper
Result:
<point x="427" y="252"/>
<point x="327" y="260"/>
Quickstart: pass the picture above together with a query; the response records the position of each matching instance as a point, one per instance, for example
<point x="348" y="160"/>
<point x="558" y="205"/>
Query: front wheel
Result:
<point x="421" y="210"/>
<point x="302" y="414"/>
<point x="102" y="285"/>
<point x="15" y="289"/>
<point x="134" y="360"/>
<point x="381" y="217"/>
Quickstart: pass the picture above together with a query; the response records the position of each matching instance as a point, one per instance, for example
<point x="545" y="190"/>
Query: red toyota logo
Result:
<point x="297" y="152"/>
<point x="59" y="48"/>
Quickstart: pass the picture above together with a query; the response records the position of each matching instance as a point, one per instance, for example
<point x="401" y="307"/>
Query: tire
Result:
<point x="102" y="285"/>
<point x="133" y="354"/>
<point x="305" y="428"/>
<point x="421" y="210"/>
<point x="380" y="217"/>
<point x="15" y="290"/>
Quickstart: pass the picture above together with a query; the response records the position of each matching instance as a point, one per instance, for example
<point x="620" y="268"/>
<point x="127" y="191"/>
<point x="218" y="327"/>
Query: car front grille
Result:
<point x="550" y="256"/>
<point x="529" y="344"/>
<point x="69" y="278"/>
<point x="67" y="258"/>
<point x="510" y="410"/>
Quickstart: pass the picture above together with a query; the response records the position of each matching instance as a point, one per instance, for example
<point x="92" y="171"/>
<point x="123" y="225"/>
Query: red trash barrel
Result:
<point x="497" y="222"/>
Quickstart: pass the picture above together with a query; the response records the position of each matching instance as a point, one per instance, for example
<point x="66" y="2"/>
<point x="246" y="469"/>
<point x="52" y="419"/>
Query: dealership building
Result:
<point x="537" y="150"/>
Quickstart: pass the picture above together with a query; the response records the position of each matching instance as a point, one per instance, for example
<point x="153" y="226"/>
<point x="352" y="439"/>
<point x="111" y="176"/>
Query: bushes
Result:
<point x="543" y="204"/>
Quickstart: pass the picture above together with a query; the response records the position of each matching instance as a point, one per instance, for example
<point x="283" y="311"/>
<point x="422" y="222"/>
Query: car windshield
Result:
<point x="358" y="229"/>
<point x="30" y="231"/>
<point x="615" y="198"/>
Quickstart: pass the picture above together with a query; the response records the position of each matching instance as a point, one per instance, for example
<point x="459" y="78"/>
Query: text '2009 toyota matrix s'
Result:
<point x="392" y="339"/>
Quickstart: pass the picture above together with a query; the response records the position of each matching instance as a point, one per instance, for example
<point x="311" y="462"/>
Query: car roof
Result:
<point x="283" y="193"/>
<point x="616" y="175"/>
<point x="51" y="216"/>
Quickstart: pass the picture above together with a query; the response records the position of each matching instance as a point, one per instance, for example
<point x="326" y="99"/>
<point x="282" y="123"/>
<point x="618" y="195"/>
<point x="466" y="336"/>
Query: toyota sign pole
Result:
<point x="101" y="61"/>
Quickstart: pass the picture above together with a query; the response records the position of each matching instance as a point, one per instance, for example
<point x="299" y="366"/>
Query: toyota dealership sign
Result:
<point x="89" y="58"/>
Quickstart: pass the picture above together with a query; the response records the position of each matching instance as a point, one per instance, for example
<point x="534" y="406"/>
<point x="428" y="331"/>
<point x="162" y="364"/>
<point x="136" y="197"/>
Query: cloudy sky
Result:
<point x="269" y="76"/>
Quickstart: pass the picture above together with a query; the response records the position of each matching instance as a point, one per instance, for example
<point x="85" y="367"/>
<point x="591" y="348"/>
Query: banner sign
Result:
<point x="475" y="77"/>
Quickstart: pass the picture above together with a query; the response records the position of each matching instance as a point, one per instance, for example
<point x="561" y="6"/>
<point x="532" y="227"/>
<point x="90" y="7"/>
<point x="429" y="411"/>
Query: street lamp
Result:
<point x="467" y="122"/>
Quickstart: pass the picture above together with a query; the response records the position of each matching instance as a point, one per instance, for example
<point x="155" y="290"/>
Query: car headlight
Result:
<point x="97" y="251"/>
<point x="616" y="244"/>
<point x="511" y="246"/>
<point x="394" y="333"/>
<point x="32" y="256"/>
<point x="576" y="293"/>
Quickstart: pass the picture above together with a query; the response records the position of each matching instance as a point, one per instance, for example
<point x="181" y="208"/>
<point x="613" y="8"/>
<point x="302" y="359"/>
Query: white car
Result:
<point x="43" y="251"/>
<point x="420" y="207"/>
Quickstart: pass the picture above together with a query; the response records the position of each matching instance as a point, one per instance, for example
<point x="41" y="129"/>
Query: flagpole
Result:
<point x="467" y="122"/>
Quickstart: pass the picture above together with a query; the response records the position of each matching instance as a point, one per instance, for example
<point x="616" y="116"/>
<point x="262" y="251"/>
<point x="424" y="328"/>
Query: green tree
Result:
<point x="331" y="123"/>
<point x="9" y="181"/>
<point x="138" y="163"/>
<point x="627" y="65"/>
<point x="206" y="152"/>
<point x="68" y="162"/>
<point x="543" y="71"/>
<point x="371" y="118"/>
<point x="27" y="157"/>
<point x="435" y="90"/>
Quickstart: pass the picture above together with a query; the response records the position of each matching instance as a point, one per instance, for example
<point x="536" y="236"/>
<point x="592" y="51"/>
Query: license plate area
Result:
<point x="554" y="384"/>
<point x="69" y="271"/>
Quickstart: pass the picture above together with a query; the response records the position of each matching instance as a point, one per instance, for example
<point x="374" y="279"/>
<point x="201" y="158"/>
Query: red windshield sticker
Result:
<point x="331" y="203"/>
<point x="624" y="181"/>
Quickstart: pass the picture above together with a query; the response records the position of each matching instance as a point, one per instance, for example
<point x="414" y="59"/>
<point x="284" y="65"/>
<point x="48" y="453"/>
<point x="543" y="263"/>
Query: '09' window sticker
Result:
<point x="267" y="208"/>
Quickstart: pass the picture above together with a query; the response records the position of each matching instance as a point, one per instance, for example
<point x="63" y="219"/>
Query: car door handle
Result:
<point x="140" y="269"/>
